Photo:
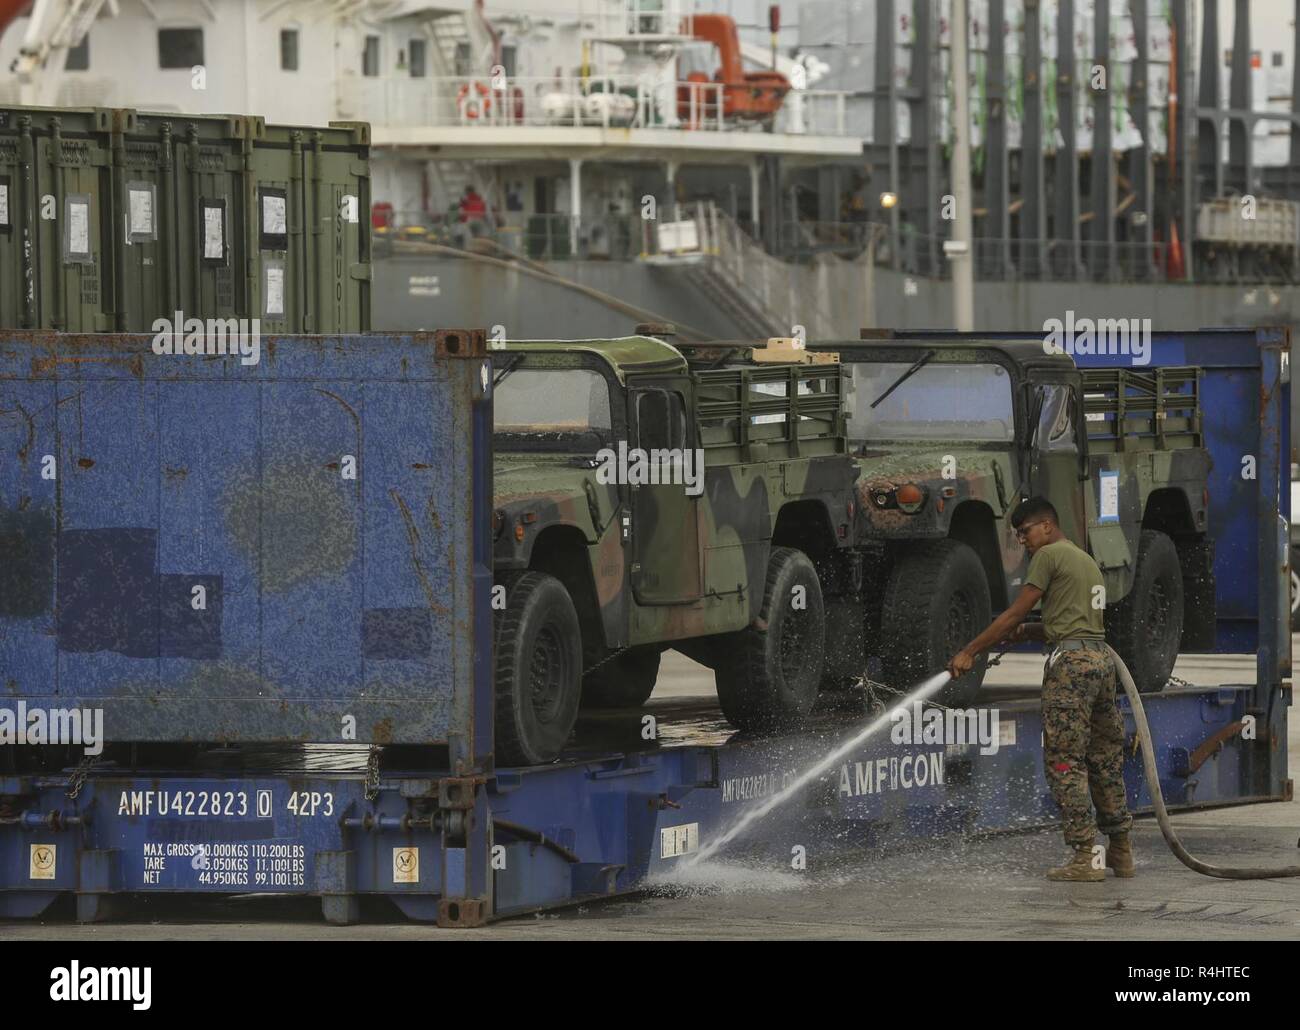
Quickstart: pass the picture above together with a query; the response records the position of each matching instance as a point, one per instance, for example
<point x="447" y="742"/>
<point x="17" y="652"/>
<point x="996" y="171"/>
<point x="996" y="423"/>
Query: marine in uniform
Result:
<point x="1083" y="734"/>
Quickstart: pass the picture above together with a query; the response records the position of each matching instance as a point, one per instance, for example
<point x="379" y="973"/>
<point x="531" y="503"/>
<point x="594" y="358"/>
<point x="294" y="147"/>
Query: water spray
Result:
<point x="925" y="690"/>
<point x="932" y="686"/>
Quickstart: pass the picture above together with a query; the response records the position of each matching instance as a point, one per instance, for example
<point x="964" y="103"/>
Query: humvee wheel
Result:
<point x="624" y="682"/>
<point x="770" y="675"/>
<point x="538" y="651"/>
<point x="1147" y="625"/>
<point x="936" y="602"/>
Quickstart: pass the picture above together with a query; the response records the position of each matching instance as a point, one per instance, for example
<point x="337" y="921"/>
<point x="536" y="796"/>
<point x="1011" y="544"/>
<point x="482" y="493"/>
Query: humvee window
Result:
<point x="1056" y="423"/>
<point x="963" y="401"/>
<point x="552" y="410"/>
<point x="661" y="420"/>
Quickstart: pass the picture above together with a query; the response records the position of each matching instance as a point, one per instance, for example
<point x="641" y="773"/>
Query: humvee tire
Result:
<point x="538" y="653"/>
<point x="624" y="682"/>
<point x="1147" y="625"/>
<point x="769" y="675"/>
<point x="936" y="601"/>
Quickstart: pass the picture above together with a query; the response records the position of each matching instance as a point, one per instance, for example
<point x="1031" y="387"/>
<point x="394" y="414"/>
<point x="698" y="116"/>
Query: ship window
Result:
<point x="464" y="64"/>
<point x="79" y="56"/>
<point x="180" y="48"/>
<point x="289" y="50"/>
<point x="370" y="57"/>
<point x="418" y="50"/>
<point x="508" y="60"/>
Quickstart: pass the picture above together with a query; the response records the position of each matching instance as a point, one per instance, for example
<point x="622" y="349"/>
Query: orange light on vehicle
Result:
<point x="519" y="533"/>
<point x="909" y="497"/>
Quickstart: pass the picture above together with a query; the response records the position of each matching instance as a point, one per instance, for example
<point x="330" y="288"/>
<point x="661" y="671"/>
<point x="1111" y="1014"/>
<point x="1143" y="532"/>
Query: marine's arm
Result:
<point x="999" y="629"/>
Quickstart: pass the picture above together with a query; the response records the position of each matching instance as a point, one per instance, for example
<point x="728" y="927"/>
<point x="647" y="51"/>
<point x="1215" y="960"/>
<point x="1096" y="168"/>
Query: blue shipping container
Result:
<point x="212" y="549"/>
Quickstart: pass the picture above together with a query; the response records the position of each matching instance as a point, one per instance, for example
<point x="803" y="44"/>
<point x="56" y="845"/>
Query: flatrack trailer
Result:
<point x="294" y="805"/>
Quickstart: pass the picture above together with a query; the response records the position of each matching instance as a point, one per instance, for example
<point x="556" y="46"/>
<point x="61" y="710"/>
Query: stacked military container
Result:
<point x="54" y="185"/>
<point x="310" y="226"/>
<point x="110" y="219"/>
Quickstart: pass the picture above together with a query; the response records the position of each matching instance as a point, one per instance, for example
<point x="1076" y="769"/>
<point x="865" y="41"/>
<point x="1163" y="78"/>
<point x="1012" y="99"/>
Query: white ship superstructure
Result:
<point x="556" y="112"/>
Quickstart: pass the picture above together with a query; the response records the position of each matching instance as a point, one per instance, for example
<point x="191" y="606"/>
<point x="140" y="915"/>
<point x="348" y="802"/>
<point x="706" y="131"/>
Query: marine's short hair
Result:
<point x="1033" y="508"/>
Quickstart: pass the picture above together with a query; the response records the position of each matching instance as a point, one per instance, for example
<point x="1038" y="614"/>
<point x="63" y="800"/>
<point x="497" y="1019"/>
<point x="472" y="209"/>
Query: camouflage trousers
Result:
<point x="1083" y="745"/>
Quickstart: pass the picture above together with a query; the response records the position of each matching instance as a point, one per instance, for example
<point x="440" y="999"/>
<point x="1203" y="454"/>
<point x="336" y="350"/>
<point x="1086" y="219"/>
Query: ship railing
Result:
<point x="1033" y="260"/>
<point x="637" y="20"/>
<point x="802" y="239"/>
<point x="605" y="101"/>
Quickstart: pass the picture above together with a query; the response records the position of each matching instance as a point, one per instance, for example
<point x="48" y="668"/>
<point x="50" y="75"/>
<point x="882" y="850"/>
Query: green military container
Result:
<point x="309" y="226"/>
<point x="110" y="219"/>
<point x="55" y="207"/>
<point x="179" y="241"/>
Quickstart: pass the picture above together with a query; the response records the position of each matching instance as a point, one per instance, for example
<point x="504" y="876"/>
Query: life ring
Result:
<point x="472" y="107"/>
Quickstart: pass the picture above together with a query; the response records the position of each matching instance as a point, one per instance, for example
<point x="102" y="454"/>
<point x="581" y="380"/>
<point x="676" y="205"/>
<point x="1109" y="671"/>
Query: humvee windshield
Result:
<point x="543" y="409"/>
<point x="964" y="401"/>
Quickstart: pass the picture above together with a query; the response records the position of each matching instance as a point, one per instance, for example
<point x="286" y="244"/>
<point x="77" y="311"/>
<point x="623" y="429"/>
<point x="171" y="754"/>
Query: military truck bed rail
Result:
<point x="1131" y="410"/>
<point x="753" y="413"/>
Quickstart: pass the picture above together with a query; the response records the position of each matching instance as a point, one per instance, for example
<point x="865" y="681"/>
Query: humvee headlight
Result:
<point x="910" y="498"/>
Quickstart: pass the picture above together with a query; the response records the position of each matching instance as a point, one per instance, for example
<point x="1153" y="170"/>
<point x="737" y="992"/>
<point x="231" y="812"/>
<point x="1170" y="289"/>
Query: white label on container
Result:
<point x="141" y="203"/>
<point x="349" y="208"/>
<point x="214" y="234"/>
<point x="41" y="861"/>
<point x="273" y="215"/>
<point x="4" y="204"/>
<point x="1108" y="497"/>
<point x="406" y="865"/>
<point x="679" y="840"/>
<point x="274" y="290"/>
<point x="78" y="227"/>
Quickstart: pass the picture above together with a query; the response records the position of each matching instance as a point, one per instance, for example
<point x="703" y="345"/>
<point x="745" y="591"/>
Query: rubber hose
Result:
<point x="1158" y="799"/>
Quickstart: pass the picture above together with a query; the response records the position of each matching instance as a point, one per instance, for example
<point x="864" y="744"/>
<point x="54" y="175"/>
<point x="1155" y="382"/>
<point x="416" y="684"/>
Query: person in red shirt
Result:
<point x="473" y="208"/>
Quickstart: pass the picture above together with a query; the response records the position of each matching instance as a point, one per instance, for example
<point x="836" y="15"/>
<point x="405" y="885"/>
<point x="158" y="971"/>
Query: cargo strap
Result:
<point x="78" y="778"/>
<point x="372" y="774"/>
<point x="606" y="660"/>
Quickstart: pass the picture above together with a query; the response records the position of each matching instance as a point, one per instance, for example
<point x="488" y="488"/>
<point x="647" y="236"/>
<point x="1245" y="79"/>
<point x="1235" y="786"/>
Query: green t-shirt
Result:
<point x="1069" y="580"/>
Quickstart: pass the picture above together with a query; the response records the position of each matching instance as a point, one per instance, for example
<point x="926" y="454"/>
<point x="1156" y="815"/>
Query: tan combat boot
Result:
<point x="1119" y="856"/>
<point x="1079" y="869"/>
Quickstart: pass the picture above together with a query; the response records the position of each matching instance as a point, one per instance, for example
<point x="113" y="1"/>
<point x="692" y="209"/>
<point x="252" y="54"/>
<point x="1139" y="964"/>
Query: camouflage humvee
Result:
<point x="951" y="435"/>
<point x="709" y="544"/>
